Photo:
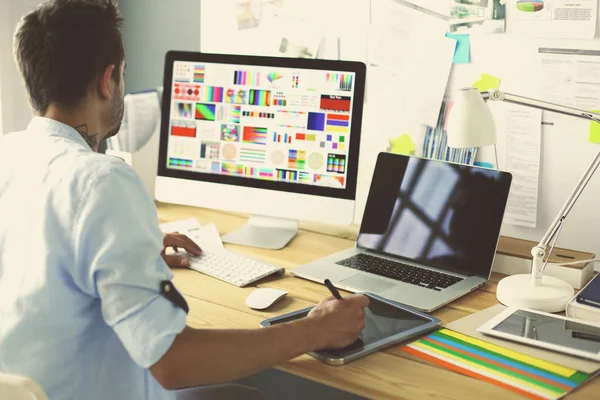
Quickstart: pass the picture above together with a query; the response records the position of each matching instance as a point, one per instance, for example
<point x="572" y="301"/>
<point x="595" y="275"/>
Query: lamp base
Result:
<point x="552" y="295"/>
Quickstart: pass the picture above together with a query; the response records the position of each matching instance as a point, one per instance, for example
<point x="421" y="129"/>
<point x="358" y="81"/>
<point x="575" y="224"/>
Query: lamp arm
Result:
<point x="498" y="95"/>
<point x="539" y="251"/>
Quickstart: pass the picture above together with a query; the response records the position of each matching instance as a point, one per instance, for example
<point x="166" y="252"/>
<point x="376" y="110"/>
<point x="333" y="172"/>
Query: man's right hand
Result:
<point x="339" y="322"/>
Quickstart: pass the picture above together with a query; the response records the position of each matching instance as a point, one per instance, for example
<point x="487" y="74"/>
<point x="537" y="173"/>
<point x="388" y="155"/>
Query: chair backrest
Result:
<point x="15" y="387"/>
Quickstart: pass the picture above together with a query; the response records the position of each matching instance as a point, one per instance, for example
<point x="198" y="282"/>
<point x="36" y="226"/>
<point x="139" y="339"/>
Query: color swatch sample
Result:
<point x="282" y="138"/>
<point x="338" y="123"/>
<point x="336" y="163"/>
<point x="228" y="168"/>
<point x="287" y="175"/>
<point x="205" y="112"/>
<point x="210" y="150"/>
<point x="520" y="373"/>
<point x="184" y="110"/>
<point x="230" y="133"/>
<point x="273" y="76"/>
<point x="316" y="121"/>
<point x="183" y="129"/>
<point x="309" y="137"/>
<point x="179" y="162"/>
<point x="260" y="173"/>
<point x="236" y="96"/>
<point x="296" y="159"/>
<point x="246" y="78"/>
<point x="199" y="73"/>
<point x="254" y="135"/>
<point x="258" y="114"/>
<point x="213" y="94"/>
<point x="186" y="92"/>
<point x="295" y="82"/>
<point x="260" y="97"/>
<point x="335" y="103"/>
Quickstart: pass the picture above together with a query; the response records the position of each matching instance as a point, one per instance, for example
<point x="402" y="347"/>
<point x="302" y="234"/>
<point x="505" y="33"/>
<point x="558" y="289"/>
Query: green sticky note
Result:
<point x="595" y="130"/>
<point x="487" y="82"/>
<point x="402" y="145"/>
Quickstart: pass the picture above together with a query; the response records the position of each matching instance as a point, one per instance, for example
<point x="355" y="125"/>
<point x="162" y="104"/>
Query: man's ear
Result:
<point x="105" y="82"/>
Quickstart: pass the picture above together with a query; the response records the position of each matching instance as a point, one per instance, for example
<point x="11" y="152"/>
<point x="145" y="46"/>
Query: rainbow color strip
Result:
<point x="180" y="162"/>
<point x="286" y="175"/>
<point x="336" y="163"/>
<point x="213" y="94"/>
<point x="254" y="135"/>
<point x="260" y="173"/>
<point x="520" y="373"/>
<point x="199" y="73"/>
<point x="246" y="78"/>
<point x="305" y="177"/>
<point x="236" y="112"/>
<point x="260" y="97"/>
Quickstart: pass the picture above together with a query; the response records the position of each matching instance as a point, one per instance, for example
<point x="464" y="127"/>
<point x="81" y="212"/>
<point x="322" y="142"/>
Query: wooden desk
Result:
<point x="388" y="374"/>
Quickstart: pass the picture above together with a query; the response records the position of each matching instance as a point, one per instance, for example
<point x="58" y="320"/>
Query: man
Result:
<point x="87" y="308"/>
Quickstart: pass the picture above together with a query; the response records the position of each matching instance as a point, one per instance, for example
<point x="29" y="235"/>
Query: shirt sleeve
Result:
<point x="117" y="251"/>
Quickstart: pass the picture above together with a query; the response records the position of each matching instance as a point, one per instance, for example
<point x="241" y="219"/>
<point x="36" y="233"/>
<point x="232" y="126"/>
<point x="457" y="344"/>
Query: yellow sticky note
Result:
<point x="487" y="82"/>
<point x="595" y="130"/>
<point x="402" y="145"/>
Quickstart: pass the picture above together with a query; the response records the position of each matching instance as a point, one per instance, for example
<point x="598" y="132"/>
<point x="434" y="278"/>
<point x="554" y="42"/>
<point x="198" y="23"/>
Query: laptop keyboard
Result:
<point x="403" y="272"/>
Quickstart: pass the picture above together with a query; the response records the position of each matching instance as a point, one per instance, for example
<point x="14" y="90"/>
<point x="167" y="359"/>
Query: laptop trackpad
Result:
<point x="367" y="284"/>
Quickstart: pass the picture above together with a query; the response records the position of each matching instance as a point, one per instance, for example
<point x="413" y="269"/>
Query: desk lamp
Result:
<point x="470" y="124"/>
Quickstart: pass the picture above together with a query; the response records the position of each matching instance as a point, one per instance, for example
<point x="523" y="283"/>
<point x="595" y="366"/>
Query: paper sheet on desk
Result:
<point x="202" y="235"/>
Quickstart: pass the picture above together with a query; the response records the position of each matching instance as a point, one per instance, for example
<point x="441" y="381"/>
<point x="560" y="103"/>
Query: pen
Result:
<point x="333" y="289"/>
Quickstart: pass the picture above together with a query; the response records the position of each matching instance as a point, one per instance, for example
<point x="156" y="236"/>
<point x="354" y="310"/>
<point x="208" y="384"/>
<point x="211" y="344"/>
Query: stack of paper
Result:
<point x="523" y="374"/>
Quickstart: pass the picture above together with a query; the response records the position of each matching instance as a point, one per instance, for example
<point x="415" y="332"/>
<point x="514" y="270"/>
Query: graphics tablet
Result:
<point x="548" y="331"/>
<point x="386" y="323"/>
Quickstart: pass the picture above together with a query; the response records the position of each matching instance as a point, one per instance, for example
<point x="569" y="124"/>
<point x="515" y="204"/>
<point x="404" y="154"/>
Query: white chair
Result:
<point x="15" y="387"/>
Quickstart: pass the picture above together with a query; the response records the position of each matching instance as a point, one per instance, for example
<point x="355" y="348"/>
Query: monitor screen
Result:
<point x="263" y="122"/>
<point x="439" y="214"/>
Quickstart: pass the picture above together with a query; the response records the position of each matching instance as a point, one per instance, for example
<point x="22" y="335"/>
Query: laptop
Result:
<point x="428" y="235"/>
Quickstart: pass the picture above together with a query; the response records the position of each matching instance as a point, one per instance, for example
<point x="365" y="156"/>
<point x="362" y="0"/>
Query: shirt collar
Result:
<point x="56" y="128"/>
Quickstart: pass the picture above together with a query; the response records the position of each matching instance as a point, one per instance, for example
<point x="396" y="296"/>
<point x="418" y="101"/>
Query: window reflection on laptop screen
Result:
<point x="444" y="215"/>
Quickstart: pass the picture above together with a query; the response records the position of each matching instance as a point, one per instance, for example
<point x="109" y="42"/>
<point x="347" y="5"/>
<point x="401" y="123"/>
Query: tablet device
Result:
<point x="386" y="323"/>
<point x="548" y="331"/>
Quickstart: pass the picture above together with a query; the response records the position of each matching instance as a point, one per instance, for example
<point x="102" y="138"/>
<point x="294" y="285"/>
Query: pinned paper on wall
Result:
<point x="462" y="53"/>
<point x="487" y="82"/>
<point x="595" y="130"/>
<point x="402" y="145"/>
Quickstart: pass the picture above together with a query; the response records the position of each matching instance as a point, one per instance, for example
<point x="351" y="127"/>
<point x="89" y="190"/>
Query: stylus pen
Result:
<point x="333" y="289"/>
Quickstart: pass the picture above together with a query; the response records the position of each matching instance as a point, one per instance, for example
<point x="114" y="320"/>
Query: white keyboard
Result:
<point x="231" y="267"/>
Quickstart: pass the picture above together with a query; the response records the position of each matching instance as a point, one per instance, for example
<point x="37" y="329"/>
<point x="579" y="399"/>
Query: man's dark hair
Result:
<point x="64" y="45"/>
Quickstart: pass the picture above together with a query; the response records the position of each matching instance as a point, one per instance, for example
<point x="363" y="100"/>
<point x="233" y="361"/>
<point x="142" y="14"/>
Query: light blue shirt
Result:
<point x="80" y="270"/>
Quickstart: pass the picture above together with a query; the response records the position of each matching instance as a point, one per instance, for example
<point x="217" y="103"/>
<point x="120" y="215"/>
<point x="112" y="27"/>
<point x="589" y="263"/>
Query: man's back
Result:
<point x="80" y="309"/>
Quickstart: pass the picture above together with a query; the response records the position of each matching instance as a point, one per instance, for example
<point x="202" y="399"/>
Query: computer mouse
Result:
<point x="264" y="297"/>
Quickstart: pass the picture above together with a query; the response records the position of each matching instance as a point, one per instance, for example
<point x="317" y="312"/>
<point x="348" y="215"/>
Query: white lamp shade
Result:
<point x="470" y="123"/>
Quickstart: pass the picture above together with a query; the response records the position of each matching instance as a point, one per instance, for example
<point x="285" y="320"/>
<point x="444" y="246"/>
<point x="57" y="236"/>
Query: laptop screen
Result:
<point x="438" y="214"/>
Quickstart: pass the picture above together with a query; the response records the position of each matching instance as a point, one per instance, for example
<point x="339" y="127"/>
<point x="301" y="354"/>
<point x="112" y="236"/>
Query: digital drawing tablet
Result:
<point x="553" y="332"/>
<point x="386" y="323"/>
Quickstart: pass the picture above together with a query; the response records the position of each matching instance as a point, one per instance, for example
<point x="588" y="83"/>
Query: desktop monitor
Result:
<point x="276" y="138"/>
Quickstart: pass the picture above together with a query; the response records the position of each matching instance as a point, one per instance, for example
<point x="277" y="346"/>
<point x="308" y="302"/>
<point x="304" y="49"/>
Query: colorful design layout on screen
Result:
<point x="258" y="122"/>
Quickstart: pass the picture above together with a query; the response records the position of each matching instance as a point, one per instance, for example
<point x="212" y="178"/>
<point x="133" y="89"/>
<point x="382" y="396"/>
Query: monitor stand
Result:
<point x="264" y="232"/>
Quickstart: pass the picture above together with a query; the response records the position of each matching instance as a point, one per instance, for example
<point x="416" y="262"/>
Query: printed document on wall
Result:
<point x="523" y="152"/>
<point x="571" y="77"/>
<point x="563" y="19"/>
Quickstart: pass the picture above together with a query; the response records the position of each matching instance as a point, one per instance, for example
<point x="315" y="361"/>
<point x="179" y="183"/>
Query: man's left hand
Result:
<point x="177" y="240"/>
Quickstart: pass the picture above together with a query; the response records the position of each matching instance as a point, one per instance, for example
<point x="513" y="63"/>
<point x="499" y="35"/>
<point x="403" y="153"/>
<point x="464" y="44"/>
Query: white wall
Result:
<point x="14" y="107"/>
